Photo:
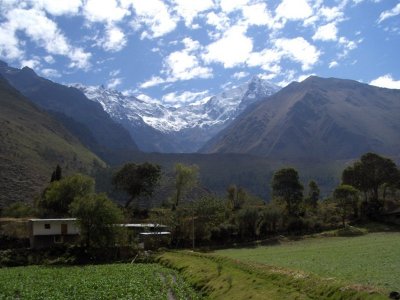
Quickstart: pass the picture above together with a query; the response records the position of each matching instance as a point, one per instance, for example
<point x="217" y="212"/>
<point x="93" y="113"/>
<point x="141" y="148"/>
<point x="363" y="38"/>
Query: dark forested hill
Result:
<point x="32" y="143"/>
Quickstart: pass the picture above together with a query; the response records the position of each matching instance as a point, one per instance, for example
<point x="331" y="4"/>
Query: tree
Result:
<point x="287" y="188"/>
<point x="97" y="217"/>
<point x="186" y="177"/>
<point x="59" y="194"/>
<point x="346" y="197"/>
<point x="236" y="197"/>
<point x="313" y="194"/>
<point x="370" y="175"/>
<point x="137" y="180"/>
<point x="57" y="174"/>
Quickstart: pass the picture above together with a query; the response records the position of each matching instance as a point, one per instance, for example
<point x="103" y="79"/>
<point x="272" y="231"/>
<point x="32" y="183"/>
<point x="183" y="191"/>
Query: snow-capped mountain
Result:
<point x="157" y="127"/>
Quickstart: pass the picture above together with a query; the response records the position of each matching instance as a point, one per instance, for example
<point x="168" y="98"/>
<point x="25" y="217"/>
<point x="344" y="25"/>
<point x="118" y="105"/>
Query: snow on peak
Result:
<point x="203" y="112"/>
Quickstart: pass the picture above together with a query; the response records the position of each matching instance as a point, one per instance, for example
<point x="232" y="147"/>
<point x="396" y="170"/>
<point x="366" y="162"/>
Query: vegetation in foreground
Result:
<point x="117" y="281"/>
<point x="371" y="259"/>
<point x="224" y="278"/>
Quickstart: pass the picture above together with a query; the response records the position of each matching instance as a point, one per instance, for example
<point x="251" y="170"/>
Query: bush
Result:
<point x="350" y="231"/>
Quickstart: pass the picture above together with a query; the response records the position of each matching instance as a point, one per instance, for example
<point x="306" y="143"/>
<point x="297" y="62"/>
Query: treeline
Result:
<point x="196" y="217"/>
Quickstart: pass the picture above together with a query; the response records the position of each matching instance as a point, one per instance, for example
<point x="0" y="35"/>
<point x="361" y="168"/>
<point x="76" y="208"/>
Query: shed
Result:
<point x="49" y="232"/>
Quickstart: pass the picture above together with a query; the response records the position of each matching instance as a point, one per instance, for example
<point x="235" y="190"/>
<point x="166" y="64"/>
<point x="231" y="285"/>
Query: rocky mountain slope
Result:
<point x="85" y="118"/>
<point x="32" y="143"/>
<point x="317" y="119"/>
<point x="160" y="128"/>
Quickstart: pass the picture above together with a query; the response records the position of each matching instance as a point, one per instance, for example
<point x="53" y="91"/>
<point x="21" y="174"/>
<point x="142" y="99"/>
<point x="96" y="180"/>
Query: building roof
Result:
<point x="156" y="233"/>
<point x="52" y="220"/>
<point x="149" y="225"/>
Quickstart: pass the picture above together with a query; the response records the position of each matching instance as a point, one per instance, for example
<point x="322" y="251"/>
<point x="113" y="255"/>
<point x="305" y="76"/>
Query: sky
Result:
<point x="174" y="51"/>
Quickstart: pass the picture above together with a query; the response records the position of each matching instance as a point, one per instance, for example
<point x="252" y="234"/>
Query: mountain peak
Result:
<point x="28" y="71"/>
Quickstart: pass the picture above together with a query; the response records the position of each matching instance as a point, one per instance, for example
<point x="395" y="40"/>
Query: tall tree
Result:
<point x="186" y="177"/>
<point x="236" y="197"/>
<point x="137" y="180"/>
<point x="287" y="188"/>
<point x="313" y="194"/>
<point x="346" y="198"/>
<point x="97" y="216"/>
<point x="57" y="174"/>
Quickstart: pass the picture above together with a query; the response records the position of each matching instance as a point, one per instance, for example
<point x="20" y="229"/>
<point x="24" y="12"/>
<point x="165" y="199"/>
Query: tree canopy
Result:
<point x="59" y="195"/>
<point x="346" y="197"/>
<point x="137" y="180"/>
<point x="287" y="187"/>
<point x="370" y="173"/>
<point x="186" y="177"/>
<point x="97" y="216"/>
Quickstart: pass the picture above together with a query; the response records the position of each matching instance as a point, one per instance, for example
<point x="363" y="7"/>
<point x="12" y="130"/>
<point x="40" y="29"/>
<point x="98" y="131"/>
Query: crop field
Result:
<point x="116" y="281"/>
<point x="371" y="260"/>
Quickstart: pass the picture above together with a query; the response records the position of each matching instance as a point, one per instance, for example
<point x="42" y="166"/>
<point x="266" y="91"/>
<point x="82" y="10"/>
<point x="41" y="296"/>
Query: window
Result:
<point x="46" y="226"/>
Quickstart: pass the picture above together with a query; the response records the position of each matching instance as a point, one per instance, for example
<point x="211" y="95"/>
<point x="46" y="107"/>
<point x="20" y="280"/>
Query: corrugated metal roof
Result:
<point x="51" y="220"/>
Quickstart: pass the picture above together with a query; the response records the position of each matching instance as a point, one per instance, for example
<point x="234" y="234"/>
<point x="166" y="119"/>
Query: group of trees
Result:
<point x="367" y="188"/>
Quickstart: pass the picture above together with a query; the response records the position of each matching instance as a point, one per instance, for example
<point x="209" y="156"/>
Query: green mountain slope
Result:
<point x="32" y="143"/>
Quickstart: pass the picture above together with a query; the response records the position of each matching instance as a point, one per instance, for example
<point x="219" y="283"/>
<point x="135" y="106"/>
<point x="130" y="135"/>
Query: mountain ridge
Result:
<point x="307" y="120"/>
<point x="71" y="102"/>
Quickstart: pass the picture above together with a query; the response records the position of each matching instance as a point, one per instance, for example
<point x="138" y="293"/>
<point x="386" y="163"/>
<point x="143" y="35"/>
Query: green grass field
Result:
<point x="372" y="259"/>
<point x="117" y="281"/>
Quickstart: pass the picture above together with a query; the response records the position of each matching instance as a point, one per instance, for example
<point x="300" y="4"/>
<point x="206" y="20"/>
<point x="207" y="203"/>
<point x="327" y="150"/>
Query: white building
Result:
<point x="49" y="232"/>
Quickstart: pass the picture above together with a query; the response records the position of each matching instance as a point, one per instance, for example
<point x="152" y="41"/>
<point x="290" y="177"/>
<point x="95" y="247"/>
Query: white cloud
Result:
<point x="298" y="49"/>
<point x="103" y="11"/>
<point x="232" y="5"/>
<point x="9" y="43"/>
<point x="30" y="63"/>
<point x="333" y="64"/>
<point x="43" y="32"/>
<point x="155" y="15"/>
<point x="184" y="66"/>
<point x="58" y="8"/>
<point x="114" y="82"/>
<point x="50" y="73"/>
<point x="239" y="75"/>
<point x="348" y="46"/>
<point x="49" y="59"/>
<point x="144" y="97"/>
<point x="114" y="39"/>
<point x="220" y="21"/>
<point x="386" y="81"/>
<point x="267" y="59"/>
<point x="190" y="45"/>
<point x="257" y="14"/>
<point x="389" y="13"/>
<point x="331" y="13"/>
<point x="293" y="10"/>
<point x="188" y="10"/>
<point x="326" y="32"/>
<point x="231" y="50"/>
<point x="114" y="73"/>
<point x="153" y="81"/>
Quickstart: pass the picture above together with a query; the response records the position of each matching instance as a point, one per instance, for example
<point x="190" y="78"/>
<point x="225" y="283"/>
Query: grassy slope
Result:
<point x="240" y="280"/>
<point x="372" y="259"/>
<point x="31" y="144"/>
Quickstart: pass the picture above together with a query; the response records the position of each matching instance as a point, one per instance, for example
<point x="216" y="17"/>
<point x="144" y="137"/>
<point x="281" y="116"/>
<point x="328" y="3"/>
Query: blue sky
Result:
<point x="173" y="51"/>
